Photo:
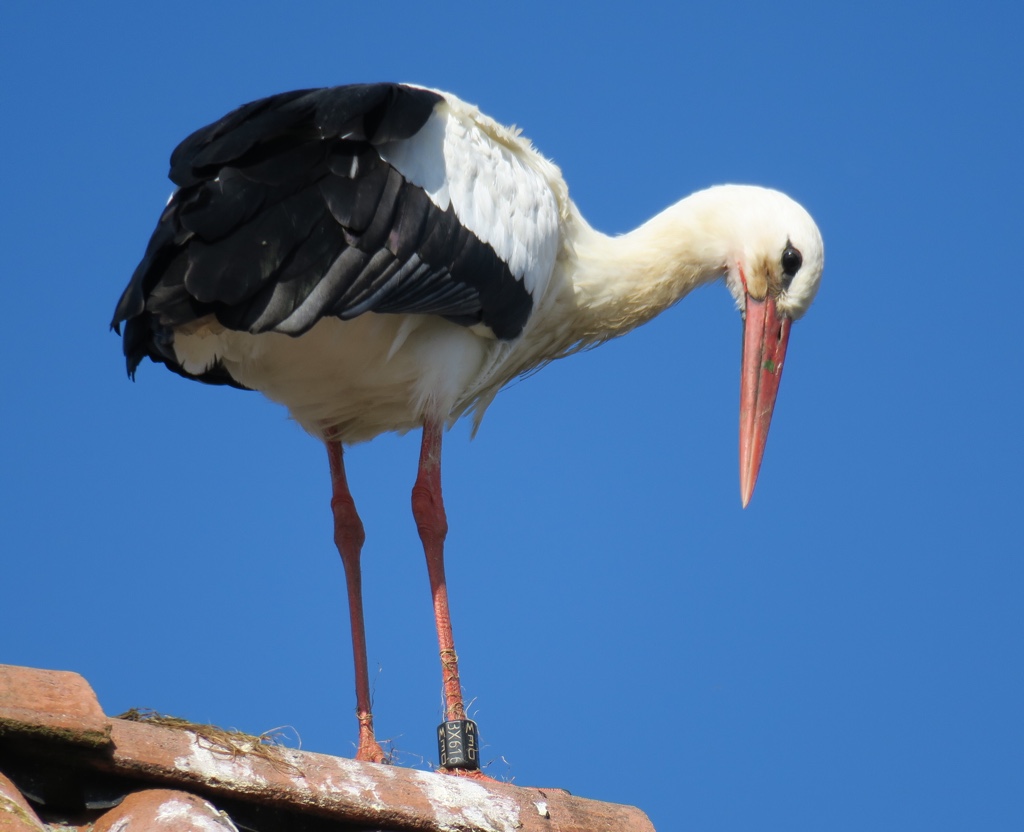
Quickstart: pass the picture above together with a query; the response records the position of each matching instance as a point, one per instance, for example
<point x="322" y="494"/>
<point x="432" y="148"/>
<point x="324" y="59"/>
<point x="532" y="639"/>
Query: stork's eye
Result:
<point x="792" y="260"/>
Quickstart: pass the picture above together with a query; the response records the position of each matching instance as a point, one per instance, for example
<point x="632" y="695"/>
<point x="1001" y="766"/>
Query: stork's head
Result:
<point x="773" y="273"/>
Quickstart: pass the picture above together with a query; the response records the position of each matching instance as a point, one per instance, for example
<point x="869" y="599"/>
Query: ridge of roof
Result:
<point x="61" y="750"/>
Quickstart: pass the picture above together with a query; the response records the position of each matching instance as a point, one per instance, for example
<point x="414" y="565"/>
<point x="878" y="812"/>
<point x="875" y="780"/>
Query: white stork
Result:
<point x="384" y="257"/>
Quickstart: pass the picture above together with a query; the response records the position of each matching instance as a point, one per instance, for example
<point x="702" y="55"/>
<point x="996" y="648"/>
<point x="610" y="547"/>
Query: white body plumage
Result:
<point x="388" y="372"/>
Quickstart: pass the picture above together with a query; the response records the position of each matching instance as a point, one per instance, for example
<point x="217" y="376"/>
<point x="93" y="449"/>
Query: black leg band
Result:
<point x="458" y="744"/>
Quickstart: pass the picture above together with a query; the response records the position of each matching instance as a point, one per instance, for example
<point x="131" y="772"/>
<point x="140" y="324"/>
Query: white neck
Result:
<point x="622" y="282"/>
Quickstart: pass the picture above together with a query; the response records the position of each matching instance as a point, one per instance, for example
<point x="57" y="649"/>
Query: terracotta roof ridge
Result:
<point x="53" y="714"/>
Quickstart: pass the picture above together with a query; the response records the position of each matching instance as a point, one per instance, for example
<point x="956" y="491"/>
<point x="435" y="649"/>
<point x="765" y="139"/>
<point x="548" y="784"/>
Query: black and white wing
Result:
<point x="336" y="202"/>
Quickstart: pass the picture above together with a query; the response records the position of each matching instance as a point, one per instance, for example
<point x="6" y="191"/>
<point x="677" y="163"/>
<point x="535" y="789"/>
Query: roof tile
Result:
<point x="164" y="810"/>
<point x="15" y="813"/>
<point x="51" y="704"/>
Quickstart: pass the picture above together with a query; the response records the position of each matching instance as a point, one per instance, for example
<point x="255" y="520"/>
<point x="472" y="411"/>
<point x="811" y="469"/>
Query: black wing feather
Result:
<point x="286" y="214"/>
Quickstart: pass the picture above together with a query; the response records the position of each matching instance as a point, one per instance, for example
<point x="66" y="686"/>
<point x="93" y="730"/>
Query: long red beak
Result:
<point x="765" y="337"/>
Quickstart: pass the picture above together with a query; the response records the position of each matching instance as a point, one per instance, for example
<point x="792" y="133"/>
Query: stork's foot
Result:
<point x="474" y="774"/>
<point x="369" y="750"/>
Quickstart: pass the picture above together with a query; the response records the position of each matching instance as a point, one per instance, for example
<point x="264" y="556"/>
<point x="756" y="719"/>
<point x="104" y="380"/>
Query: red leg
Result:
<point x="349" y="537"/>
<point x="432" y="524"/>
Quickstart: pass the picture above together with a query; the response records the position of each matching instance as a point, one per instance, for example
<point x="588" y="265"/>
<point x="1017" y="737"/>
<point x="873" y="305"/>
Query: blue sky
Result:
<point x="844" y="654"/>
